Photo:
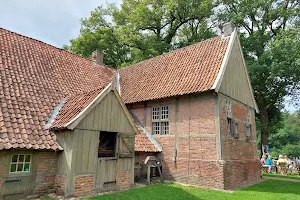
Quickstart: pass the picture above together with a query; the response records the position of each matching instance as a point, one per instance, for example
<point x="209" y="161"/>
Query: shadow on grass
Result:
<point x="153" y="192"/>
<point x="276" y="186"/>
<point x="267" y="190"/>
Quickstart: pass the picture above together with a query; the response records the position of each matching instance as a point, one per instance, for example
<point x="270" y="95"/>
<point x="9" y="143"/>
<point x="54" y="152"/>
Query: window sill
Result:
<point x="162" y="135"/>
<point x="108" y="158"/>
<point x="18" y="174"/>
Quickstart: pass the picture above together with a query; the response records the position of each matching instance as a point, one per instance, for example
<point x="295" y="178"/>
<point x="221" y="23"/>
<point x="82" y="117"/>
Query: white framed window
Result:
<point x="228" y="109"/>
<point x="248" y="115"/>
<point x="20" y="163"/>
<point x="160" y="120"/>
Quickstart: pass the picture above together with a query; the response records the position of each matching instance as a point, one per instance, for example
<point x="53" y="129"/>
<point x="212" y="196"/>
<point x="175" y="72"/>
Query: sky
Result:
<point x="52" y="21"/>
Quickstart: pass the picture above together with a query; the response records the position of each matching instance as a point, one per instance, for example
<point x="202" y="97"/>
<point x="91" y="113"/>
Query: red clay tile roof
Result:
<point x="183" y="71"/>
<point x="35" y="77"/>
<point x="143" y="143"/>
<point x="72" y="106"/>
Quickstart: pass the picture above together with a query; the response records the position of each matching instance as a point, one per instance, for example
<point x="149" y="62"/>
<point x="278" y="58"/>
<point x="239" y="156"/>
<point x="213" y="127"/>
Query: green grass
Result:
<point x="292" y="176"/>
<point x="267" y="190"/>
<point x="46" y="198"/>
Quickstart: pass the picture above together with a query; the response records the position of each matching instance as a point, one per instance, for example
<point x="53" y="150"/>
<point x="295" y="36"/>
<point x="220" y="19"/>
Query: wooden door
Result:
<point x="106" y="173"/>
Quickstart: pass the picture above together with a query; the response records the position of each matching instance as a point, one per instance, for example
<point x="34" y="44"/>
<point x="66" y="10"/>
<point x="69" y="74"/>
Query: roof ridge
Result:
<point x="27" y="37"/>
<point x="175" y="50"/>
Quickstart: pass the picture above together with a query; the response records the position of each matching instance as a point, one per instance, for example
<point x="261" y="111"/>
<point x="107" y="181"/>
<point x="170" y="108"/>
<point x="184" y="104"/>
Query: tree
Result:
<point x="269" y="35"/>
<point x="289" y="134"/>
<point x="100" y="32"/>
<point x="142" y="29"/>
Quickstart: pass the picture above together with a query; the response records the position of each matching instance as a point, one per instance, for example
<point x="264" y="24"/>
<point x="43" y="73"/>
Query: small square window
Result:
<point x="107" y="144"/>
<point x="228" y="109"/>
<point x="20" y="163"/>
<point x="160" y="120"/>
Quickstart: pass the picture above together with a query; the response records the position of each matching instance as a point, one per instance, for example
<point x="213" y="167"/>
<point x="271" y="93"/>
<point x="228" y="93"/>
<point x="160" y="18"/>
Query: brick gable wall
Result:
<point x="196" y="158"/>
<point x="240" y="155"/>
<point x="198" y="161"/>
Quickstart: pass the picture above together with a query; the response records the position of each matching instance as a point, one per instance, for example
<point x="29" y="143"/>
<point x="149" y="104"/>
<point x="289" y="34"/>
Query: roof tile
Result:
<point x="187" y="70"/>
<point x="34" y="77"/>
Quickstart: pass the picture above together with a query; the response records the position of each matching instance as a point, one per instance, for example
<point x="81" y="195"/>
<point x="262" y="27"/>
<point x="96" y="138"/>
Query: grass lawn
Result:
<point x="270" y="189"/>
<point x="292" y="176"/>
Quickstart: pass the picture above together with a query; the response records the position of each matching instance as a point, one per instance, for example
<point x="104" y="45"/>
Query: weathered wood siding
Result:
<point x="235" y="83"/>
<point x="80" y="155"/>
<point x="108" y="115"/>
<point x="18" y="185"/>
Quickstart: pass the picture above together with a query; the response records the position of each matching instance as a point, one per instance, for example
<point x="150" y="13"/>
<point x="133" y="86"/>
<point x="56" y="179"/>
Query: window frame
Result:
<point x="248" y="126"/>
<point x="160" y="120"/>
<point x="17" y="163"/>
<point x="236" y="134"/>
<point x="115" y="145"/>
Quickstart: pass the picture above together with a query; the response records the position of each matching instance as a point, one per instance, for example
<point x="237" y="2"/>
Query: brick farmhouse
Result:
<point x="76" y="127"/>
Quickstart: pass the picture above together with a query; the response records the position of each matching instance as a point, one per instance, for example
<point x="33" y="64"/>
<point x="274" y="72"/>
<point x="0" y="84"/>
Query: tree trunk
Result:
<point x="264" y="119"/>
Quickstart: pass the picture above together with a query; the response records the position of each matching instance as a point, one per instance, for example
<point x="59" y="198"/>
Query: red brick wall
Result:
<point x="60" y="184"/>
<point x="84" y="185"/>
<point x="46" y="172"/>
<point x="242" y="165"/>
<point x="196" y="160"/>
<point x="123" y="180"/>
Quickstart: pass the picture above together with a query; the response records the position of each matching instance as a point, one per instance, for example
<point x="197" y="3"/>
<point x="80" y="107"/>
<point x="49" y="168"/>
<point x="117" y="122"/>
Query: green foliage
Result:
<point x="286" y="141"/>
<point x="142" y="29"/>
<point x="270" y="39"/>
<point x="269" y="33"/>
<point x="270" y="189"/>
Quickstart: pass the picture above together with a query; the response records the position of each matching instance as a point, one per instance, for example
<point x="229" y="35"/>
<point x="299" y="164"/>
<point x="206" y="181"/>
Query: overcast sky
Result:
<point x="52" y="21"/>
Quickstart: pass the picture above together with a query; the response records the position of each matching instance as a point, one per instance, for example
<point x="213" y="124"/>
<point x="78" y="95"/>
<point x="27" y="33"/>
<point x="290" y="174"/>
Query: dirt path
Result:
<point x="280" y="179"/>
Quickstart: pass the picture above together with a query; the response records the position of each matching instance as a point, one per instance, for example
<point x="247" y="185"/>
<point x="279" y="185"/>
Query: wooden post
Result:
<point x="148" y="174"/>
<point x="160" y="174"/>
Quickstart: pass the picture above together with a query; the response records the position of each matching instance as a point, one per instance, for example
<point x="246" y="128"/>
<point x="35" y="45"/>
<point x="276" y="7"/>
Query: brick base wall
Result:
<point x="46" y="173"/>
<point x="123" y="180"/>
<point x="240" y="174"/>
<point x="60" y="184"/>
<point x="206" y="173"/>
<point x="84" y="185"/>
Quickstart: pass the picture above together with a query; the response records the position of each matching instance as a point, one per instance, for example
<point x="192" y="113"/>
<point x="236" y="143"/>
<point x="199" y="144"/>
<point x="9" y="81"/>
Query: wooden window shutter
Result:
<point x="126" y="146"/>
<point x="235" y="129"/>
